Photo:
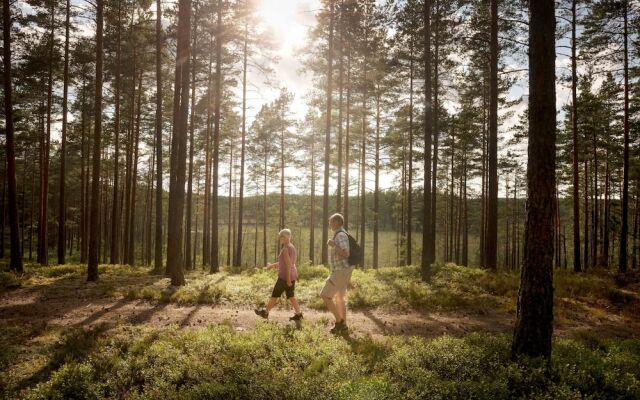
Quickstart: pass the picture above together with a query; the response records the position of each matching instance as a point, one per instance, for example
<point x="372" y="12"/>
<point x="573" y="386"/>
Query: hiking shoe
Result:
<point x="261" y="312"/>
<point x="296" y="317"/>
<point x="339" y="327"/>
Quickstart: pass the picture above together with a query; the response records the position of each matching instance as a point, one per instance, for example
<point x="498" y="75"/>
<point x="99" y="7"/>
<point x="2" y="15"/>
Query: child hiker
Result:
<point x="287" y="276"/>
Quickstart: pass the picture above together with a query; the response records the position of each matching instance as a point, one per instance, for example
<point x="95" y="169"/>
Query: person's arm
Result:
<point x="287" y="262"/>
<point x="342" y="244"/>
<point x="271" y="266"/>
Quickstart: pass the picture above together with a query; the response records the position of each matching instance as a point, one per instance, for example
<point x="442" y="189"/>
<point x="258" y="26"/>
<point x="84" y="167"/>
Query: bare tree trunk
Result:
<point x="312" y="205"/>
<point x="159" y="190"/>
<point x="624" y="226"/>
<point x="534" y="323"/>
<point x="340" y="91"/>
<point x="347" y="144"/>
<point x="115" y="210"/>
<point x="410" y="178"/>
<point x="237" y="260"/>
<point x="62" y="212"/>
<point x="175" y="261"/>
<point x="327" y="140"/>
<point x="586" y="215"/>
<point x="491" y="243"/>
<point x="577" y="265"/>
<point x="427" y="251"/>
<point x="43" y="235"/>
<point x="16" y="256"/>
<point x="92" y="267"/>
<point x="376" y="193"/>
<point x="215" y="254"/>
<point x="206" y="230"/>
<point x="436" y="120"/>
<point x="134" y="179"/>
<point x="187" y="233"/>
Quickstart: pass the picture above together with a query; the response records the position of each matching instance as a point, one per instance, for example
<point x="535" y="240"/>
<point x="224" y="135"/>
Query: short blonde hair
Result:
<point x="285" y="232"/>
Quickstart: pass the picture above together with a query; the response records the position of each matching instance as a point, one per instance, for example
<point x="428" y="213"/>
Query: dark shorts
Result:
<point x="281" y="287"/>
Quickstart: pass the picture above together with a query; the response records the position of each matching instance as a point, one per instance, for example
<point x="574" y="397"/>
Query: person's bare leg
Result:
<point x="272" y="302"/>
<point x="341" y="306"/>
<point x="331" y="307"/>
<point x="295" y="304"/>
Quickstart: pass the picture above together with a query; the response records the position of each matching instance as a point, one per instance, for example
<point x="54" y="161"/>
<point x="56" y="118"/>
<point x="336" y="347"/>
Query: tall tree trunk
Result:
<point x="282" y="218"/>
<point x="129" y="160"/>
<point x="363" y="160"/>
<point x="16" y="256"/>
<point x="230" y="205"/>
<point x="347" y="144"/>
<point x="327" y="140"/>
<point x="534" y="323"/>
<point x="115" y="210"/>
<point x="43" y="235"/>
<point x="376" y="192"/>
<point x="206" y="229"/>
<point x="175" y="261"/>
<point x="436" y="120"/>
<point x="134" y="179"/>
<point x="187" y="233"/>
<point x="594" y="247"/>
<point x="586" y="214"/>
<point x="577" y="265"/>
<point x="624" y="225"/>
<point x="264" y="213"/>
<point x="159" y="190"/>
<point x="92" y="267"/>
<point x="340" y="103"/>
<point x="465" y="217"/>
<point x="237" y="260"/>
<point x="409" y="221"/>
<point x="491" y="241"/>
<point x="62" y="211"/>
<point x="215" y="256"/>
<point x="427" y="251"/>
<point x="312" y="205"/>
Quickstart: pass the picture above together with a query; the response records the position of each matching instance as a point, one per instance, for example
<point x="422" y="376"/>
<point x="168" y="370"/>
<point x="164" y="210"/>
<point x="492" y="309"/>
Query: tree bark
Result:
<point x="158" y="262"/>
<point x="624" y="225"/>
<point x="187" y="233"/>
<point x="16" y="256"/>
<point x="534" y="323"/>
<point x="43" y="235"/>
<point x="491" y="241"/>
<point x="215" y="256"/>
<point x="237" y="260"/>
<point x="427" y="251"/>
<point x="62" y="211"/>
<point x="175" y="261"/>
<point x="327" y="140"/>
<point x="409" y="221"/>
<point x="376" y="192"/>
<point x="92" y="267"/>
<point x="115" y="210"/>
<point x="577" y="265"/>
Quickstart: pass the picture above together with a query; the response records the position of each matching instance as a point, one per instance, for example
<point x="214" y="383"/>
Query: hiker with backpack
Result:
<point x="343" y="255"/>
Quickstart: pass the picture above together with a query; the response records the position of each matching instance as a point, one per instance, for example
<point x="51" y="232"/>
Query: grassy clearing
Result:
<point x="275" y="362"/>
<point x="452" y="288"/>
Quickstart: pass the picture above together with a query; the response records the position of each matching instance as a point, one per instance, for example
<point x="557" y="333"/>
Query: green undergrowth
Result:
<point x="451" y="288"/>
<point x="281" y="362"/>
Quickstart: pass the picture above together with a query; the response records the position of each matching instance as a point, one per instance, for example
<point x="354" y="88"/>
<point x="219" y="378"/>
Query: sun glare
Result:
<point x="285" y="20"/>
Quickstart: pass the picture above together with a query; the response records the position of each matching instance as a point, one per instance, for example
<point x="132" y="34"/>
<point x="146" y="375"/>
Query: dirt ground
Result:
<point x="71" y="307"/>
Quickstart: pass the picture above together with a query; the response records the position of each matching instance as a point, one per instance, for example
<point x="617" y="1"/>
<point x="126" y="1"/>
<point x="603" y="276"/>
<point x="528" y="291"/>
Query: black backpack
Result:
<point x="355" y="252"/>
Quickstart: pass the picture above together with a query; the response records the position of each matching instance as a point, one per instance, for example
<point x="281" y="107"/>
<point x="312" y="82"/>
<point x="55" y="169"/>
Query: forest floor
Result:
<point x="40" y="309"/>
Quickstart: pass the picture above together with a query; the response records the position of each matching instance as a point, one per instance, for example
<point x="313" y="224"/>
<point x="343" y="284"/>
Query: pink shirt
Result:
<point x="282" y="266"/>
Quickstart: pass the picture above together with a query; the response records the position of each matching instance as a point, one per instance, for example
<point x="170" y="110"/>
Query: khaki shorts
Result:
<point x="336" y="283"/>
